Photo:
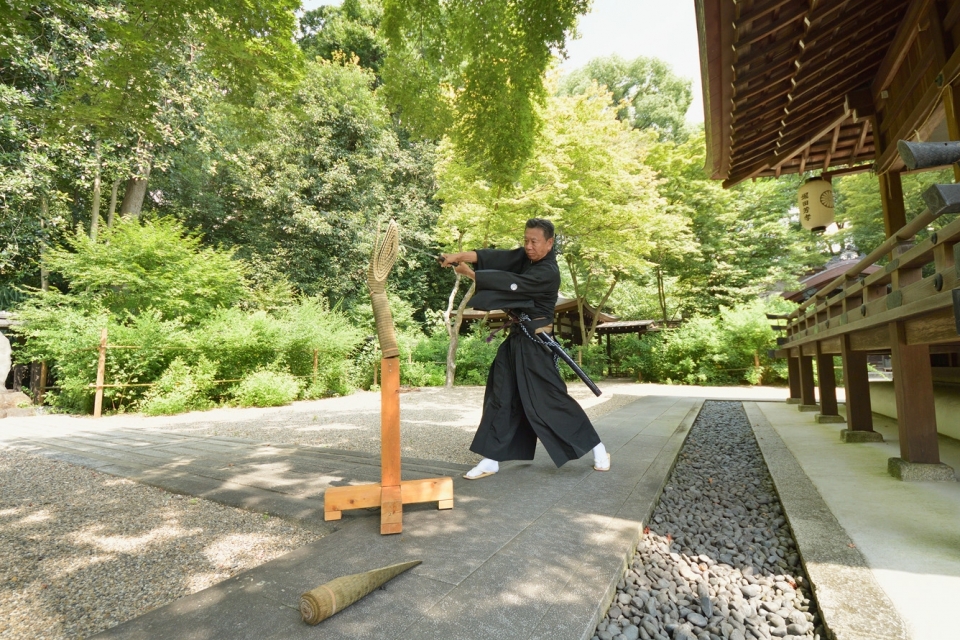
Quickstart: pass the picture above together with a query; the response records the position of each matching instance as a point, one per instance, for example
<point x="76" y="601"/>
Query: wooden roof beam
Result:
<point x="797" y="149"/>
<point x="755" y="12"/>
<point x="784" y="20"/>
<point x="823" y="125"/>
<point x="745" y="78"/>
<point x="833" y="147"/>
<point x="856" y="18"/>
<point x="900" y="47"/>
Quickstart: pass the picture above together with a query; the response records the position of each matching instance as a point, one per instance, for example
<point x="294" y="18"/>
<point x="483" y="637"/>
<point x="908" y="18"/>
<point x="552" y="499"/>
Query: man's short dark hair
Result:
<point x="541" y="223"/>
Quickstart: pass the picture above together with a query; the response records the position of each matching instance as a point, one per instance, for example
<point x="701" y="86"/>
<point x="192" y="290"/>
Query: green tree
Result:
<point x="859" y="210"/>
<point x="474" y="70"/>
<point x="646" y="91"/>
<point x="351" y="28"/>
<point x="158" y="266"/>
<point x="745" y="240"/>
<point x="587" y="174"/>
<point x="303" y="197"/>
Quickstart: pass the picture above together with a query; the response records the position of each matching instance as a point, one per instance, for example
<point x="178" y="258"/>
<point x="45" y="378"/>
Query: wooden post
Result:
<point x="101" y="371"/>
<point x="828" y="387"/>
<point x="856" y="383"/>
<point x="43" y="383"/>
<point x="391" y="493"/>
<point x="793" y="378"/>
<point x="913" y="386"/>
<point x="891" y="196"/>
<point x="951" y="107"/>
<point x="808" y="398"/>
<point x="391" y="510"/>
<point x="609" y="358"/>
<point x="316" y="355"/>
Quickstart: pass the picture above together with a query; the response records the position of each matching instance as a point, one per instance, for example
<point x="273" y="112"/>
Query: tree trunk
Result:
<point x="113" y="202"/>
<point x="135" y="192"/>
<point x="448" y="325"/>
<point x="603" y="302"/>
<point x="455" y="336"/>
<point x="44" y="274"/>
<point x="95" y="213"/>
<point x="661" y="295"/>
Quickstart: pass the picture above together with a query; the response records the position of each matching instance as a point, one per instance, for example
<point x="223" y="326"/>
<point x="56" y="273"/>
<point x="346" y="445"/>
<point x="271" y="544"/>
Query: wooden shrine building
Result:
<point x="830" y="87"/>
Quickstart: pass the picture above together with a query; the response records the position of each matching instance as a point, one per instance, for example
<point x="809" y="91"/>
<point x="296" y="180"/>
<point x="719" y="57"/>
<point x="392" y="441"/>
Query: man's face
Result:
<point x="535" y="244"/>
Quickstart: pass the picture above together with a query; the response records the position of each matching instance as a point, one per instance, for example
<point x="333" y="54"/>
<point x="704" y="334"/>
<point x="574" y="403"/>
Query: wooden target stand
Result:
<point x="391" y="493"/>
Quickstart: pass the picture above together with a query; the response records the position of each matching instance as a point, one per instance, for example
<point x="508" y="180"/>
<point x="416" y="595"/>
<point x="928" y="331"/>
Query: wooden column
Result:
<point x="807" y="396"/>
<point x="391" y="507"/>
<point x="951" y="107"/>
<point x="913" y="386"/>
<point x="891" y="195"/>
<point x="856" y="383"/>
<point x="828" y="385"/>
<point x="793" y="377"/>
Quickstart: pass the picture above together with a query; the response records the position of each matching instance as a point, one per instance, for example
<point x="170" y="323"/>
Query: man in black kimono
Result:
<point x="526" y="398"/>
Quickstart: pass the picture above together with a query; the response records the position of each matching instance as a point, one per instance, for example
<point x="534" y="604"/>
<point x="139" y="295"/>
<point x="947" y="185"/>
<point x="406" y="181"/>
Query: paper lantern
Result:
<point x="816" y="204"/>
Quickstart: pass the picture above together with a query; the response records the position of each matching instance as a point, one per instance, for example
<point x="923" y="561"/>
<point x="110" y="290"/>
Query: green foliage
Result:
<point x="730" y="348"/>
<point x="127" y="51"/>
<point x="156" y="266"/>
<point x="163" y="299"/>
<point x="587" y="175"/>
<point x="305" y="198"/>
<point x="725" y="247"/>
<point x="181" y="388"/>
<point x="266" y="389"/>
<point x="859" y="210"/>
<point x="646" y="92"/>
<point x="351" y="29"/>
<point x="474" y="70"/>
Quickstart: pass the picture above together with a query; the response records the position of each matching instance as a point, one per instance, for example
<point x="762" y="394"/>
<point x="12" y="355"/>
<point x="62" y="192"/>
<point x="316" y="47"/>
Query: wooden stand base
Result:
<point x="390" y="494"/>
<point x="389" y="499"/>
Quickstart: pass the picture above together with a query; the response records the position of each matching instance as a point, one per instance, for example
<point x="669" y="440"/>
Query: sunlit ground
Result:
<point x="82" y="551"/>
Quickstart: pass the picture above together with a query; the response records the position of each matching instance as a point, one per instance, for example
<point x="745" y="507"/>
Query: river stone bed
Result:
<point x="718" y="559"/>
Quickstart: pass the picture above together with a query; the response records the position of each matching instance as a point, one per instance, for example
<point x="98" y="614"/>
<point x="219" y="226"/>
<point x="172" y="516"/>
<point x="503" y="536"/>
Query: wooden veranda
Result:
<point x="830" y="87"/>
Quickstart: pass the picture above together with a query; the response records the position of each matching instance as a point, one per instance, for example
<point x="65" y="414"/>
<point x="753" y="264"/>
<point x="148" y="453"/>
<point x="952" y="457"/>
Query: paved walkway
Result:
<point x="533" y="552"/>
<point x="907" y="532"/>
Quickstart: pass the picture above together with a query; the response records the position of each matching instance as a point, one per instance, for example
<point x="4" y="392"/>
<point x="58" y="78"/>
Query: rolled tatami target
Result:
<point x="319" y="604"/>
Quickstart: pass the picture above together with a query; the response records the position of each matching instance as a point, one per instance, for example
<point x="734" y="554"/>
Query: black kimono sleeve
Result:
<point x="500" y="259"/>
<point x="501" y="289"/>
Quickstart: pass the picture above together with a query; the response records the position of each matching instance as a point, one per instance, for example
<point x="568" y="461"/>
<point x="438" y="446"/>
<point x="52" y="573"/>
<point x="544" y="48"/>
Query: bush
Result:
<point x="729" y="349"/>
<point x="181" y="388"/>
<point x="267" y="389"/>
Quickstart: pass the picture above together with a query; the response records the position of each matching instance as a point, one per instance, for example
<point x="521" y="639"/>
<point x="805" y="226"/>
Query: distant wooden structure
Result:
<point x="566" y="319"/>
<point x="795" y="86"/>
<point x="566" y="322"/>
<point x="811" y="284"/>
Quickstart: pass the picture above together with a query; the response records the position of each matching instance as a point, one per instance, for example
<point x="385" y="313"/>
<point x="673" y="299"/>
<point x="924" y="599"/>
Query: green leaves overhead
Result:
<point x="474" y="69"/>
<point x="646" y="92"/>
<point x="120" y="57"/>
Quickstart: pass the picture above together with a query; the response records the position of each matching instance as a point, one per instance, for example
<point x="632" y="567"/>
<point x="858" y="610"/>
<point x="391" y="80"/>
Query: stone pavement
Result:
<point x="906" y="534"/>
<point x="532" y="552"/>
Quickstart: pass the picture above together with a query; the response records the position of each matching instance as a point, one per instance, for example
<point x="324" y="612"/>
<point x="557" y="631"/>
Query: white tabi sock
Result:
<point x="486" y="466"/>
<point x="600" y="457"/>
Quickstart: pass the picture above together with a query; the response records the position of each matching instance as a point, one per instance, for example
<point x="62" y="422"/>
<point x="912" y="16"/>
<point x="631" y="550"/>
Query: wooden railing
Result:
<point x="856" y="302"/>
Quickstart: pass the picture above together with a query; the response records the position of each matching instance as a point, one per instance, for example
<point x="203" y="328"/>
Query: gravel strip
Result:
<point x="436" y="423"/>
<point x="82" y="551"/>
<point x="718" y="560"/>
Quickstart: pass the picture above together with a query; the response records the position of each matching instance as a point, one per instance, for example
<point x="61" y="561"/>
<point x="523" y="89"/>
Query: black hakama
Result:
<point x="526" y="398"/>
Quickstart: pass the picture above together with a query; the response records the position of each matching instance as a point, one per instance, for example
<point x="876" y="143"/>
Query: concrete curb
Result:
<point x="851" y="601"/>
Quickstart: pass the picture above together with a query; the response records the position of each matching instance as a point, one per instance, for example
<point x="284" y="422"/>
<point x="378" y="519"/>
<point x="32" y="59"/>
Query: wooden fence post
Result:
<point x="43" y="383"/>
<point x="316" y="355"/>
<point x="101" y="371"/>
